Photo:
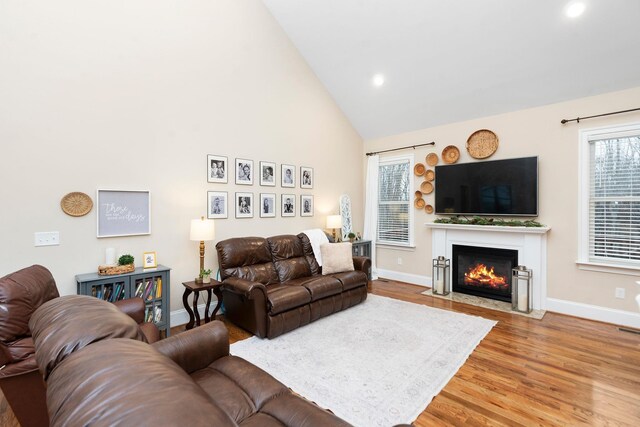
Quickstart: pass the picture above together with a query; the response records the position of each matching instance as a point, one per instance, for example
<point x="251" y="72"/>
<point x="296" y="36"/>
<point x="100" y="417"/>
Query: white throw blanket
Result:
<point x="316" y="237"/>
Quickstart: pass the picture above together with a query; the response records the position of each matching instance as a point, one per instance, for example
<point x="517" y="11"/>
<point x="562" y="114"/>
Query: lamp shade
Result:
<point x="202" y="229"/>
<point x="334" y="221"/>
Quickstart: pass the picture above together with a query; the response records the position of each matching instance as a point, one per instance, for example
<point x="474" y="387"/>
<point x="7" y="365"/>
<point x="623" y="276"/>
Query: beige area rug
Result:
<point x="485" y="303"/>
<point x="379" y="363"/>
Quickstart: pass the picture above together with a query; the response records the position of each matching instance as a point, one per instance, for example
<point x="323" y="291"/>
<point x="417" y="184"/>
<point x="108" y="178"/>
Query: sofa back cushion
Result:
<point x="246" y="258"/>
<point x="128" y="383"/>
<point x="307" y="250"/>
<point x="288" y="257"/>
<point x="21" y="293"/>
<point x="67" y="324"/>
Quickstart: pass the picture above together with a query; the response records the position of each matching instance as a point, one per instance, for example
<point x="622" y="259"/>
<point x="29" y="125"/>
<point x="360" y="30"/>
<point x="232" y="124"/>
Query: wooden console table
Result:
<point x="196" y="288"/>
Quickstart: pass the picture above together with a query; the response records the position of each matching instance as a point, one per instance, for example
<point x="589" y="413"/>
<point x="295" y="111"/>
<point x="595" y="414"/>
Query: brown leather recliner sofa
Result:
<point x="101" y="374"/>
<point x="274" y="285"/>
<point x="21" y="293"/>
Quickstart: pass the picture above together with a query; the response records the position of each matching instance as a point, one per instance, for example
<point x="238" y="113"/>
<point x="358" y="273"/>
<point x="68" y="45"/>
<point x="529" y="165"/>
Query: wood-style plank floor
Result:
<point x="559" y="371"/>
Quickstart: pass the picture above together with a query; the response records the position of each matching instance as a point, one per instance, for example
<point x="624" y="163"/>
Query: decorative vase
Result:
<point x="206" y="278"/>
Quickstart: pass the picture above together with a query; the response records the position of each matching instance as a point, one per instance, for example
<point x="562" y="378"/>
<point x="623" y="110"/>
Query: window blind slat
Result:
<point x="393" y="202"/>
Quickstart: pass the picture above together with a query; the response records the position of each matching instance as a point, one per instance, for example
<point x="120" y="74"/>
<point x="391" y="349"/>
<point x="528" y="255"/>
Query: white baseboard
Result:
<point x="414" y="279"/>
<point x="181" y="317"/>
<point x="594" y="312"/>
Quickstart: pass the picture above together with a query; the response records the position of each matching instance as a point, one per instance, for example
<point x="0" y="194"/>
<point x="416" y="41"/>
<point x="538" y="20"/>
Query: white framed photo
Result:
<point x="217" y="204"/>
<point x="149" y="260"/>
<point x="267" y="205"/>
<point x="306" y="177"/>
<point x="288" y="202"/>
<point x="244" y="171"/>
<point x="217" y="167"/>
<point x="244" y="205"/>
<point x="288" y="176"/>
<point x="306" y="205"/>
<point x="268" y="174"/>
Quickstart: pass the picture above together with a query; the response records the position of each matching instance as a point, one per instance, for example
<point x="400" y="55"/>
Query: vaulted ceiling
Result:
<point x="447" y="61"/>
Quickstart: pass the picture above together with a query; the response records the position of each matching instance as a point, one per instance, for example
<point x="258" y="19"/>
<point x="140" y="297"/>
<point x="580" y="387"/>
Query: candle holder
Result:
<point x="440" y="282"/>
<point x="521" y="295"/>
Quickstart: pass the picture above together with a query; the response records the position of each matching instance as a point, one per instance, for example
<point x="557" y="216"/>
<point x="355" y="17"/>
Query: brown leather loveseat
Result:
<point x="274" y="285"/>
<point x="102" y="374"/>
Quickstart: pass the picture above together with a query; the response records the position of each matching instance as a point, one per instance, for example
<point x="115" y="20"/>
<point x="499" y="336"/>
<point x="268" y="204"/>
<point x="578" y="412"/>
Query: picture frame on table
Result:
<point x="217" y="167"/>
<point x="244" y="205"/>
<point x="267" y="205"/>
<point x="268" y="174"/>
<point x="149" y="260"/>
<point x="306" y="177"/>
<point x="244" y="171"/>
<point x="288" y="176"/>
<point x="306" y="205"/>
<point x="288" y="205"/>
<point x="217" y="205"/>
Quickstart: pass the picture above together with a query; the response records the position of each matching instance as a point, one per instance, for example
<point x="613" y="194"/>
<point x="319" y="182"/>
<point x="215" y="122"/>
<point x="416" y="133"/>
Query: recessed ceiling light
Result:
<point x="575" y="9"/>
<point x="378" y="80"/>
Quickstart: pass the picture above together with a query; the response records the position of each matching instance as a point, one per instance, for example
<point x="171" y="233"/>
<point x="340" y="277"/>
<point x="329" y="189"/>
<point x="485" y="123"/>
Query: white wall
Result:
<point x="134" y="95"/>
<point x="532" y="132"/>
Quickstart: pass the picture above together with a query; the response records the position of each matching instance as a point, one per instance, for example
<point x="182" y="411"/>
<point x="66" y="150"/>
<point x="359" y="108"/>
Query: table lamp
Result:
<point x="202" y="230"/>
<point x="334" y="222"/>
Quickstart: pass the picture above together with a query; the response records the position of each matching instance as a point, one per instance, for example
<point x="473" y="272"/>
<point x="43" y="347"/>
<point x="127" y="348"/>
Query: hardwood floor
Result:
<point x="558" y="371"/>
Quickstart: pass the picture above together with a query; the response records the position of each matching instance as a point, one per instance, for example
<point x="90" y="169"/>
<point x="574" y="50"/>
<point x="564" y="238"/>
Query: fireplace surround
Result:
<point x="529" y="242"/>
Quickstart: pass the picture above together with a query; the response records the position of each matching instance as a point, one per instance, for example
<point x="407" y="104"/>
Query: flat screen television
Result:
<point x="497" y="187"/>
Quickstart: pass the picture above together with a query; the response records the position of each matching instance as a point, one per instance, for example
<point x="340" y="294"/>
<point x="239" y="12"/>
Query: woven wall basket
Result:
<point x="482" y="144"/>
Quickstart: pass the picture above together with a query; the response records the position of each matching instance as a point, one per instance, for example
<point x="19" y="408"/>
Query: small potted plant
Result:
<point x="205" y="275"/>
<point x="125" y="260"/>
<point x="351" y="236"/>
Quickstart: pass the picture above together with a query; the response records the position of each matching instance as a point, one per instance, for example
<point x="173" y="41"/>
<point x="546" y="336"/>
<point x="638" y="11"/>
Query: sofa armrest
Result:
<point x="362" y="263"/>
<point x="132" y="307"/>
<point x="243" y="287"/>
<point x="196" y="348"/>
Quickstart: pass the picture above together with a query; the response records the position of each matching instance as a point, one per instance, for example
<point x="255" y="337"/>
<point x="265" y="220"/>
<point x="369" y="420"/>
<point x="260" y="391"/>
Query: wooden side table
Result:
<point x="196" y="288"/>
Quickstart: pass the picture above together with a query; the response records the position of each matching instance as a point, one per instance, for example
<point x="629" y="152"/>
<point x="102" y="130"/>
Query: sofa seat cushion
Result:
<point x="351" y="279"/>
<point x="20" y="349"/>
<point x="294" y="411"/>
<point x="284" y="297"/>
<point x="238" y="387"/>
<point x="322" y="286"/>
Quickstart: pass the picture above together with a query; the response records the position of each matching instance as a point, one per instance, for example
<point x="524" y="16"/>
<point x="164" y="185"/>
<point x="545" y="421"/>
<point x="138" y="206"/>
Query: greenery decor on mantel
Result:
<point x="478" y="220"/>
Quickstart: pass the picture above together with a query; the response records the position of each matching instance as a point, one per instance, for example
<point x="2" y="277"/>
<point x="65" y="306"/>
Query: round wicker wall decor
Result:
<point x="76" y="204"/>
<point x="482" y="144"/>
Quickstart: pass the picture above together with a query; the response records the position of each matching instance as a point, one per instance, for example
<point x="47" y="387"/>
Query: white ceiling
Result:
<point x="450" y="60"/>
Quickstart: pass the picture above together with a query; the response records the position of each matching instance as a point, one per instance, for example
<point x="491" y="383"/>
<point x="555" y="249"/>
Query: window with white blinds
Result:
<point x="395" y="216"/>
<point x="614" y="197"/>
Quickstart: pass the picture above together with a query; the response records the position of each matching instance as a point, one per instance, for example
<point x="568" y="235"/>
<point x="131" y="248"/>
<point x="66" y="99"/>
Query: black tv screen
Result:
<point x="498" y="187"/>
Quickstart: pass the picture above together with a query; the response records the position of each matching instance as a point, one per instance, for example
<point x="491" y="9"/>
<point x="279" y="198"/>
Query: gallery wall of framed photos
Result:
<point x="266" y="202"/>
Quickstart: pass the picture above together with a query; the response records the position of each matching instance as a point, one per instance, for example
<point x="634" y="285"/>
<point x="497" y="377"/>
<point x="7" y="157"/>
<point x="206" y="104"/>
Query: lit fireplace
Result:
<point x="484" y="272"/>
<point x="483" y="276"/>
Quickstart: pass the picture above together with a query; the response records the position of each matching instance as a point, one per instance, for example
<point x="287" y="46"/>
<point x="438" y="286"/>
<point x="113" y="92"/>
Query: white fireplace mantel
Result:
<point x="530" y="242"/>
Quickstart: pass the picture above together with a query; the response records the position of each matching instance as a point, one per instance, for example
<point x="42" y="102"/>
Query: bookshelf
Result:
<point x="152" y="285"/>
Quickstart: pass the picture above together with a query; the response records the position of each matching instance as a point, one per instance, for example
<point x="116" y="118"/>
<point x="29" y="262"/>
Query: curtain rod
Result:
<point x="401" y="148"/>
<point x="577" y="119"/>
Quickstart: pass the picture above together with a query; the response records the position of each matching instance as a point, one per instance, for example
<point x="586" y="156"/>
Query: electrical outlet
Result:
<point x="620" y="293"/>
<point x="47" y="238"/>
<point x="399" y="261"/>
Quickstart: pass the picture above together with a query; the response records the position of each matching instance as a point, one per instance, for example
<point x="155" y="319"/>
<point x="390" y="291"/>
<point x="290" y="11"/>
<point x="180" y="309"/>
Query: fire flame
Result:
<point x="481" y="275"/>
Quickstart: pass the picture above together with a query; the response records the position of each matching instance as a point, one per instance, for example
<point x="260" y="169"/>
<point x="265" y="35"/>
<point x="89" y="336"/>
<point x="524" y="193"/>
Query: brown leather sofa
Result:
<point x="101" y="374"/>
<point x="274" y="285"/>
<point x="21" y="293"/>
